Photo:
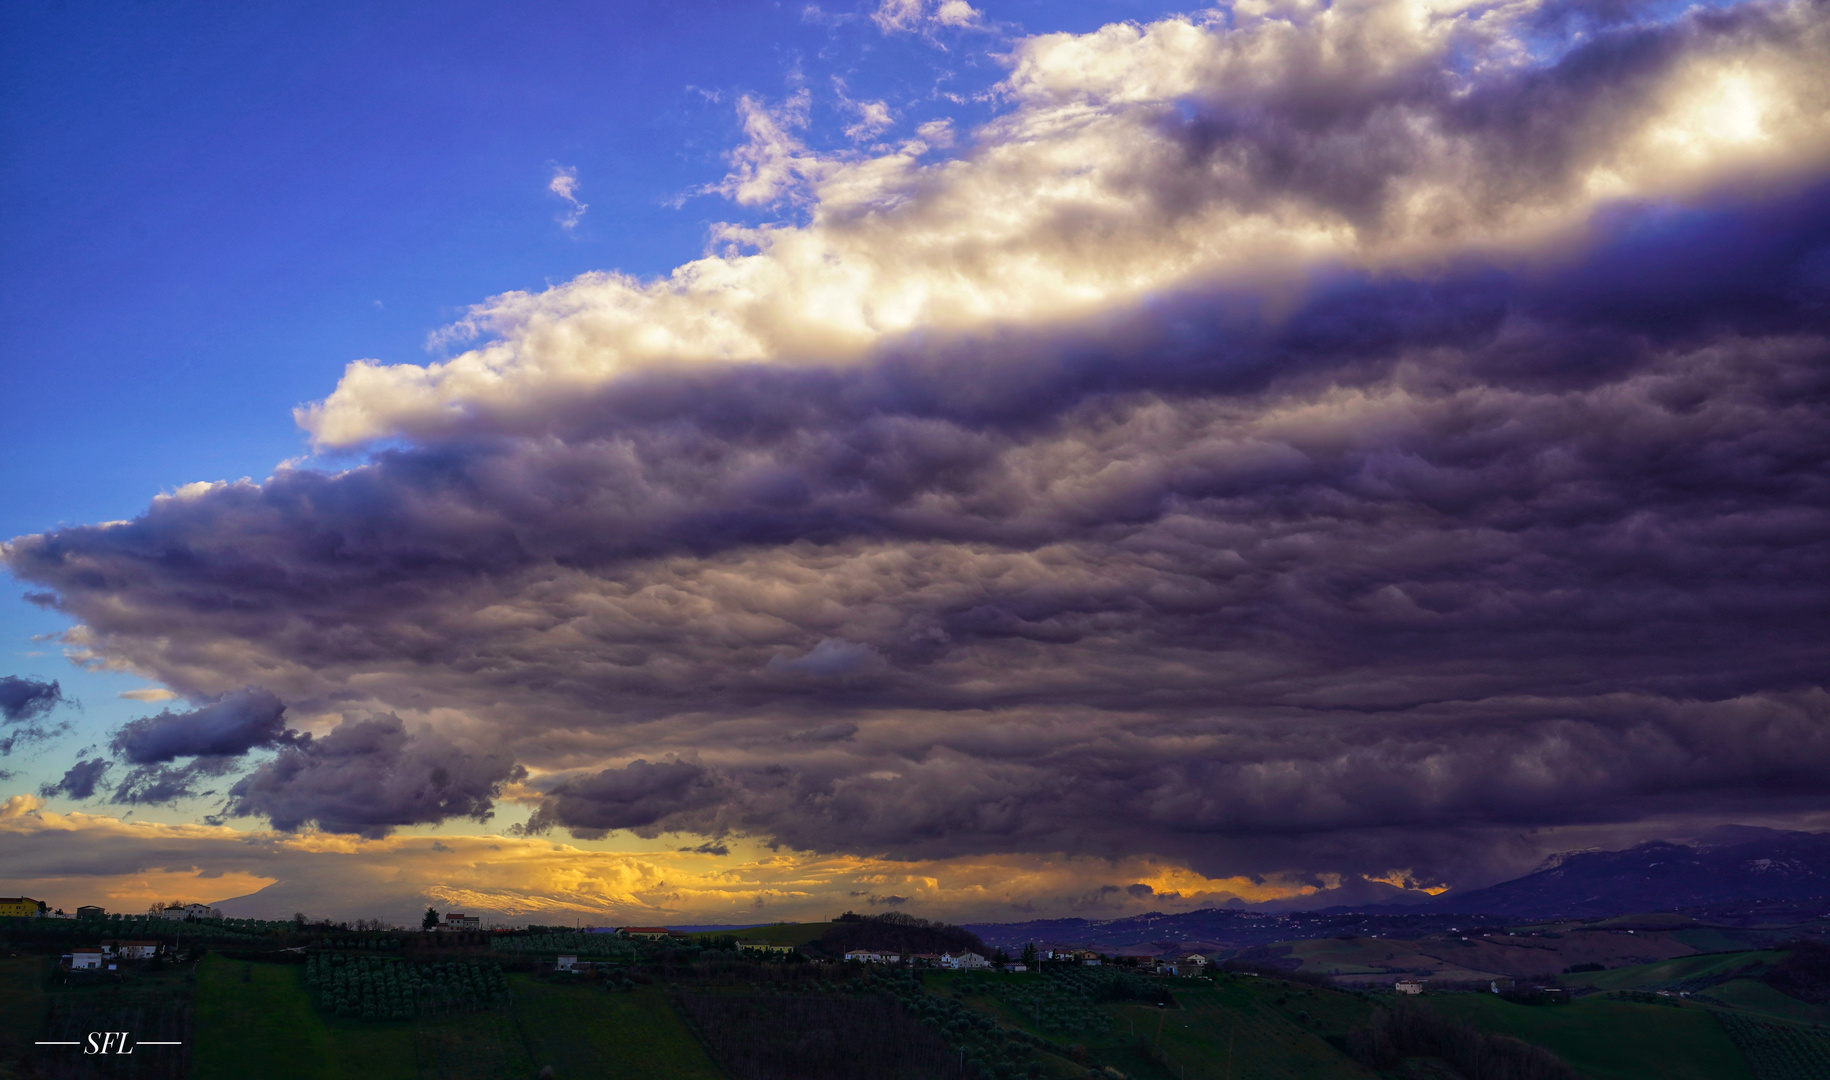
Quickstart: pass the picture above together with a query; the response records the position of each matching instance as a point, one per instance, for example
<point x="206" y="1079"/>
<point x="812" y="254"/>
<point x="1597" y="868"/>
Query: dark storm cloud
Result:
<point x="1379" y="580"/>
<point x="632" y="797"/>
<point x="80" y="780"/>
<point x="27" y="699"/>
<point x="370" y="776"/>
<point x="156" y="784"/>
<point x="232" y="725"/>
<point x="23" y="704"/>
<point x="1429" y="557"/>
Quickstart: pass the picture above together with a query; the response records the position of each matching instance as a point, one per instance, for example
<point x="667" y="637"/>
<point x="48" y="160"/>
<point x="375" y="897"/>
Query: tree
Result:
<point x="1029" y="954"/>
<point x="429" y="921"/>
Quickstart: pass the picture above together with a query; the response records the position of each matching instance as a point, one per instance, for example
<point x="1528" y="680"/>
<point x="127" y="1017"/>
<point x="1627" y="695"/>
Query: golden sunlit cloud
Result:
<point x="128" y="865"/>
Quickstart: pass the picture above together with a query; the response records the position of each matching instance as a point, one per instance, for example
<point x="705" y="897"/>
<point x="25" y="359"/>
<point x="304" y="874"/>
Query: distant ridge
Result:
<point x="1729" y="864"/>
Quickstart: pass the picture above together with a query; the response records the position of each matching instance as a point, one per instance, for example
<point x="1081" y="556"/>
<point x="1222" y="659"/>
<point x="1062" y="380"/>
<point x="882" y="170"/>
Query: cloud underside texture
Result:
<point x="1350" y="575"/>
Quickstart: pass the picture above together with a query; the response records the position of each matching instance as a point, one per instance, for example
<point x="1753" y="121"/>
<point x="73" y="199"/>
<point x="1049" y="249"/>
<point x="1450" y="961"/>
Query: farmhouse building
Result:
<point x="84" y="959"/>
<point x="188" y="911"/>
<point x="765" y="946"/>
<point x="23" y="906"/>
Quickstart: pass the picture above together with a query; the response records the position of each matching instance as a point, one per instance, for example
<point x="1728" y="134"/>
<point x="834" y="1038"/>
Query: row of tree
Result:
<point x="377" y="988"/>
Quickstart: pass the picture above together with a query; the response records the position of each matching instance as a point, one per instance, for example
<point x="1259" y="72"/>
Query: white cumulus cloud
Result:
<point x="1236" y="151"/>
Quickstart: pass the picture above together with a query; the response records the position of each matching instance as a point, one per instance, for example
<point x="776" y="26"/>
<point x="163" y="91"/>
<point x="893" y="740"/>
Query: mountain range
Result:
<point x="1727" y="866"/>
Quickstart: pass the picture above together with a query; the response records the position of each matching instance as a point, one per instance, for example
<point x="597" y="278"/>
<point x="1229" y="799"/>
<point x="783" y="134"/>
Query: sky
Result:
<point x="714" y="462"/>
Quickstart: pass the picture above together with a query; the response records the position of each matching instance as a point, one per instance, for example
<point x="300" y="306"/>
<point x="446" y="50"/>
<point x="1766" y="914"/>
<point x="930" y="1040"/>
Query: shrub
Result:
<point x="1395" y="1034"/>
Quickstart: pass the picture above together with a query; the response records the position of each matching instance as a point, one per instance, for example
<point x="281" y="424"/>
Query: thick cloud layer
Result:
<point x="369" y="776"/>
<point x="1358" y="569"/>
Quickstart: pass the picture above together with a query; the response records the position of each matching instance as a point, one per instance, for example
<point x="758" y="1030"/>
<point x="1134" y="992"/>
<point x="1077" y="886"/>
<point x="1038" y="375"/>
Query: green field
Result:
<point x="1238" y="1030"/>
<point x="22" y="990"/>
<point x="265" y="1027"/>
<point x="1267" y="1029"/>
<point x="1665" y="972"/>
<point x="588" y="1032"/>
<point x="1610" y="1040"/>
<point x="1751" y="995"/>
<point x="1713" y="939"/>
<point x="257" y="1020"/>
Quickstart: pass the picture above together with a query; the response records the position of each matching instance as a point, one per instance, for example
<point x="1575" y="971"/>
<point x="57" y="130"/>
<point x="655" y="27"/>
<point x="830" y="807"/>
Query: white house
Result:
<point x="864" y="956"/>
<point x="963" y="960"/>
<point x="136" y="950"/>
<point x="457" y="920"/>
<point x="1408" y="986"/>
<point x="82" y="959"/>
<point x="570" y="962"/>
<point x="1194" y="960"/>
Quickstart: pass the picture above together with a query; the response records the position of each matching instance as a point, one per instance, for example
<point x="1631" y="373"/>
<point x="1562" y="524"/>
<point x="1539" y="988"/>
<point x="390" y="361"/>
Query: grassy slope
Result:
<point x="1262" y="1040"/>
<point x="1611" y="1040"/>
<point x="1667" y="971"/>
<point x="1239" y="1017"/>
<point x="588" y="1032"/>
<point x="266" y="1027"/>
<point x="1751" y="995"/>
<point x="1361" y="956"/>
<point x="780" y="934"/>
<point x="1711" y="939"/>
